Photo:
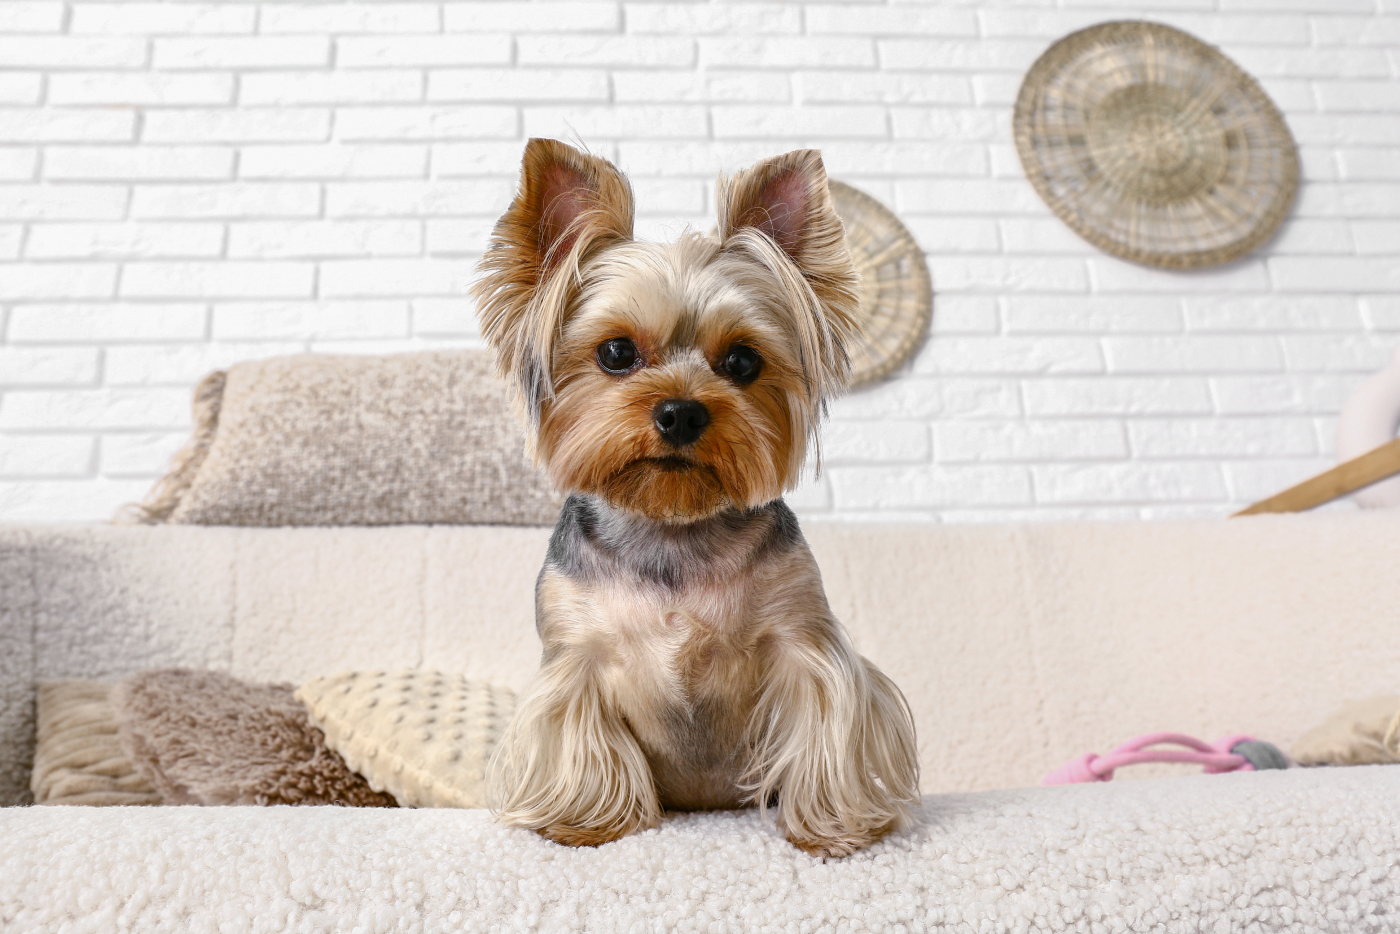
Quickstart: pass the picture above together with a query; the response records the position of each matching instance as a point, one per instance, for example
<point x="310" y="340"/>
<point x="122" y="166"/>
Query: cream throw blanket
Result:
<point x="1019" y="646"/>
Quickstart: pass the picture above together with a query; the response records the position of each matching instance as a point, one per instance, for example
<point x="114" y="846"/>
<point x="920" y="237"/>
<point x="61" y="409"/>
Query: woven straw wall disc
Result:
<point x="1154" y="146"/>
<point x="896" y="300"/>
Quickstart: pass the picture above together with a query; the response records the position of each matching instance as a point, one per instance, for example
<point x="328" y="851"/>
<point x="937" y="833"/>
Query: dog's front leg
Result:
<point x="568" y="766"/>
<point x="833" y="739"/>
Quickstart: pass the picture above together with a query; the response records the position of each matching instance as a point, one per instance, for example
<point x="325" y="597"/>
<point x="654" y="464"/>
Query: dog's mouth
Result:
<point x="673" y="488"/>
<point x="671" y="464"/>
<point x="681" y="468"/>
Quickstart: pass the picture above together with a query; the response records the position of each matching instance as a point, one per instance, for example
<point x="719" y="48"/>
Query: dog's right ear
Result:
<point x="569" y="204"/>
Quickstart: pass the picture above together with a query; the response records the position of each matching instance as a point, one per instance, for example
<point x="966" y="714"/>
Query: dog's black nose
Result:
<point x="680" y="421"/>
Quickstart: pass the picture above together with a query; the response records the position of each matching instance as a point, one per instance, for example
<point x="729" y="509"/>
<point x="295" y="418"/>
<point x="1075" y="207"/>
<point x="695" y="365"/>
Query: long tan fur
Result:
<point x="832" y="743"/>
<point x="690" y="658"/>
<point x="567" y="765"/>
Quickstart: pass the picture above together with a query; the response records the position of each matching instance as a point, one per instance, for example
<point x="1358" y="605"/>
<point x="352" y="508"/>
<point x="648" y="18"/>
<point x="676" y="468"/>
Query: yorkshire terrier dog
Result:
<point x="674" y="390"/>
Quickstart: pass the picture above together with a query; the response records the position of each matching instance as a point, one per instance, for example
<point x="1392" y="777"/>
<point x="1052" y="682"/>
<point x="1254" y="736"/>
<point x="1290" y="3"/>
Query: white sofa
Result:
<point x="1019" y="647"/>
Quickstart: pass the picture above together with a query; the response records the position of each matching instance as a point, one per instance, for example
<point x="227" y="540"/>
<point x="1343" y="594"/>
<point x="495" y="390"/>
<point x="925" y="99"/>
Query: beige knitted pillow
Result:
<point x="78" y="758"/>
<point x="422" y="736"/>
<point x="1366" y="732"/>
<point x="319" y="439"/>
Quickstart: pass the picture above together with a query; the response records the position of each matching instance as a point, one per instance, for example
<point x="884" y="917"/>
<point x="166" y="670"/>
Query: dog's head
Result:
<point x="678" y="379"/>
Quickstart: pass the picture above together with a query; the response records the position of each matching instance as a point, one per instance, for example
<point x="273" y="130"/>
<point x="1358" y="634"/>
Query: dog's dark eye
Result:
<point x="617" y="355"/>
<point x="742" y="364"/>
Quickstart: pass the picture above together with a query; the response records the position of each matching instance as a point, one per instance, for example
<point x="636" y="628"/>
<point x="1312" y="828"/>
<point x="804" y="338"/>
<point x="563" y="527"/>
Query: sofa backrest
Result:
<point x="1018" y="646"/>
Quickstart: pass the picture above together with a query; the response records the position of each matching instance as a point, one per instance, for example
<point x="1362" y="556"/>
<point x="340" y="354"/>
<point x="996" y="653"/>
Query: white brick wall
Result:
<point x="187" y="184"/>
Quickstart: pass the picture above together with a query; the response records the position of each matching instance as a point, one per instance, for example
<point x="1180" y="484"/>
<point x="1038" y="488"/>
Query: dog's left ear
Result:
<point x="783" y="203"/>
<point x="568" y="205"/>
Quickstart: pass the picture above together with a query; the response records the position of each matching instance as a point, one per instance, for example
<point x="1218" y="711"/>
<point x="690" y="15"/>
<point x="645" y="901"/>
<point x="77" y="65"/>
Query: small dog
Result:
<point x="690" y="659"/>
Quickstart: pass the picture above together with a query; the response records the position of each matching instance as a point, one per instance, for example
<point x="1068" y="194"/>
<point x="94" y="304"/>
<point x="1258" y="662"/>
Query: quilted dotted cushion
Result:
<point x="422" y="736"/>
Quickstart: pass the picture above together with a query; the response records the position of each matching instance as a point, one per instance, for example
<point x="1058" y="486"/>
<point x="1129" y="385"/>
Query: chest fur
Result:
<point x="680" y="668"/>
<point x="671" y="645"/>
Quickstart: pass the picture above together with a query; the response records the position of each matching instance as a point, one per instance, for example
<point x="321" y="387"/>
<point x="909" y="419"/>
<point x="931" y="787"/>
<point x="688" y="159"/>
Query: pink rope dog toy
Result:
<point x="1233" y="753"/>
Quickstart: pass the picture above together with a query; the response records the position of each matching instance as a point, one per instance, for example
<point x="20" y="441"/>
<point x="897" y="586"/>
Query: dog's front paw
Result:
<point x="583" y="836"/>
<point x="835" y="846"/>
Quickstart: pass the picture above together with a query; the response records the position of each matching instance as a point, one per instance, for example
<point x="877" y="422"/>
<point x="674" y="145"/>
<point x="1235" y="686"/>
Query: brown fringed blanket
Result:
<point x="204" y="737"/>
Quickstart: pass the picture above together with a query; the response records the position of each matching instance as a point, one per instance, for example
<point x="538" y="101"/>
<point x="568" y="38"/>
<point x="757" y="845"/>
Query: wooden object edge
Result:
<point x="1347" y="477"/>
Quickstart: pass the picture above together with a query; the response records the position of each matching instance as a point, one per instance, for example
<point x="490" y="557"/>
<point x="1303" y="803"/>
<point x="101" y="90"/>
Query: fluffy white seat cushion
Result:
<point x="1299" y="851"/>
<point x="422" y="736"/>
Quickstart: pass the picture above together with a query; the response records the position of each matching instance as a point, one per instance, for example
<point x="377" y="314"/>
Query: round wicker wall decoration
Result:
<point x="1154" y="146"/>
<point x="896" y="300"/>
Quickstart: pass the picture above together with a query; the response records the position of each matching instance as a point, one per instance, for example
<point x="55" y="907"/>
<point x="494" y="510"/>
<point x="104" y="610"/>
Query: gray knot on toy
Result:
<point x="1260" y="754"/>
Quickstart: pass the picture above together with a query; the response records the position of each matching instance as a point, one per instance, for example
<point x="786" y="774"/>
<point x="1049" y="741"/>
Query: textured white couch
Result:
<point x="1019" y="647"/>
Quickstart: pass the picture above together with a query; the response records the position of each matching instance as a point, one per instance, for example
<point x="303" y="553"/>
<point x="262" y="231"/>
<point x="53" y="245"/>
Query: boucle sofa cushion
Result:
<point x="78" y="757"/>
<point x="422" y="736"/>
<point x="204" y="737"/>
<point x="1296" y="851"/>
<point x="1362" y="733"/>
<point x="318" y="439"/>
